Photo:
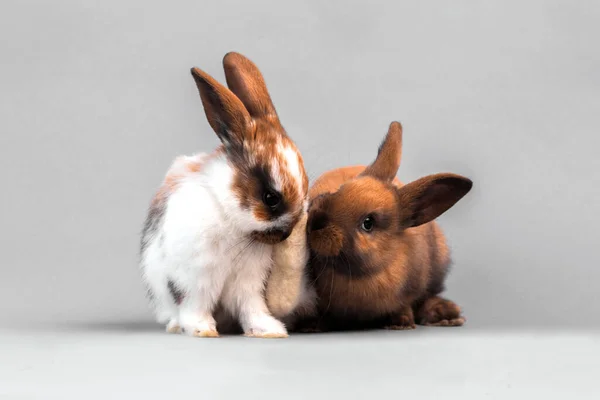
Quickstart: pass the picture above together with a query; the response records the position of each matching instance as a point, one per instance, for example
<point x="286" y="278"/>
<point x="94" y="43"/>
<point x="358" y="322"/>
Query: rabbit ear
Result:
<point x="225" y="112"/>
<point x="429" y="197"/>
<point x="245" y="80"/>
<point x="389" y="155"/>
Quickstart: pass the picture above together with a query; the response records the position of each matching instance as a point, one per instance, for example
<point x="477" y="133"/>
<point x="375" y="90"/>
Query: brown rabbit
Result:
<point x="377" y="258"/>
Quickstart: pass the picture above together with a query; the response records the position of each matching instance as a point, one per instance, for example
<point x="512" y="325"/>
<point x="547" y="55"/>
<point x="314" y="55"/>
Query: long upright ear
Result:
<point x="225" y="112"/>
<point x="429" y="197"/>
<point x="389" y="155"/>
<point x="245" y="80"/>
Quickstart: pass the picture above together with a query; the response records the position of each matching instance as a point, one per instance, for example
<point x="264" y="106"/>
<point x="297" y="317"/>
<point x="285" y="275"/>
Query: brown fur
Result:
<point x="391" y="275"/>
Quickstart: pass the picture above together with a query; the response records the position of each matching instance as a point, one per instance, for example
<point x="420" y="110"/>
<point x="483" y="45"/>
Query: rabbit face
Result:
<point x="353" y="229"/>
<point x="270" y="182"/>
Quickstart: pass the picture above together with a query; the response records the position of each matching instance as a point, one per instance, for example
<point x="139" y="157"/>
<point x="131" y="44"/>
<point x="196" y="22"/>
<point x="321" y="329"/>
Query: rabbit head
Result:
<point x="357" y="229"/>
<point x="269" y="181"/>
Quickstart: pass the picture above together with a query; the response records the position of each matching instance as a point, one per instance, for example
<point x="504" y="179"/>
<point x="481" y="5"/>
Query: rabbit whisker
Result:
<point x="347" y="262"/>
<point x="321" y="271"/>
<point x="330" y="292"/>
<point x="239" y="256"/>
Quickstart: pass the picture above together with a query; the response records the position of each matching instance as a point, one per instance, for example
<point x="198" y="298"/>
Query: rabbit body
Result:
<point x="378" y="258"/>
<point x="212" y="227"/>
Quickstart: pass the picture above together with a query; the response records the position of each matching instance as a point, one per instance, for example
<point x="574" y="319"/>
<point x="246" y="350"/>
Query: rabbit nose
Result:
<point x="317" y="221"/>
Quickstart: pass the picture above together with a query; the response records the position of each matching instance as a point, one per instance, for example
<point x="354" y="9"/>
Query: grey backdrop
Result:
<point x="96" y="100"/>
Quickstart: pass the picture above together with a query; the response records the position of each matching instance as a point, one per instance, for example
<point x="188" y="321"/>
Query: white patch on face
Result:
<point x="282" y="221"/>
<point x="293" y="164"/>
<point x="276" y="175"/>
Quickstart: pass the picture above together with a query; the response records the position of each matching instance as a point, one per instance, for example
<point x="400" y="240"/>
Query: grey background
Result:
<point x="96" y="100"/>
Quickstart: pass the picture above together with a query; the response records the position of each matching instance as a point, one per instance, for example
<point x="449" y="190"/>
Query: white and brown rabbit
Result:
<point x="212" y="227"/>
<point x="377" y="258"/>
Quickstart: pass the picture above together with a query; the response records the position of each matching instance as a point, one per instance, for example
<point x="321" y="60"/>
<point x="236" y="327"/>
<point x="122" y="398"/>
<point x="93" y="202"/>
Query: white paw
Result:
<point x="265" y="326"/>
<point x="200" y="327"/>
<point x="173" y="326"/>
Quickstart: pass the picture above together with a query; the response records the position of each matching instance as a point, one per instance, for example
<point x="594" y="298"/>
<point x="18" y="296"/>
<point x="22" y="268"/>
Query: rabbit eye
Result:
<point x="271" y="199"/>
<point x="368" y="223"/>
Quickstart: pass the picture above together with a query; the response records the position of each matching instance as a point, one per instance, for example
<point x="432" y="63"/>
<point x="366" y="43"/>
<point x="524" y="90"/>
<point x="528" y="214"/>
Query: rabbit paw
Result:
<point x="265" y="326"/>
<point x="460" y="321"/>
<point x="402" y="321"/>
<point x="200" y="328"/>
<point x="173" y="326"/>
<point x="437" y="311"/>
<point x="207" y="333"/>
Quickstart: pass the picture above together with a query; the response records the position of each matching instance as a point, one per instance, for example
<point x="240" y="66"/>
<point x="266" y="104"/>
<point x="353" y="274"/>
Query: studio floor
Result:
<point x="113" y="361"/>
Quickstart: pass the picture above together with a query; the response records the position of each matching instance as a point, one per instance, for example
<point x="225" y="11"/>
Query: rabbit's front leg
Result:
<point x="246" y="294"/>
<point x="196" y="308"/>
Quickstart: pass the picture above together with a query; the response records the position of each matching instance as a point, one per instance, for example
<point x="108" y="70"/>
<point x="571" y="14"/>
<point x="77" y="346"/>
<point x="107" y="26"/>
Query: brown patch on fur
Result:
<point x="224" y="111"/>
<point x="245" y="80"/>
<point x="272" y="236"/>
<point x="194" y="167"/>
<point x="183" y="166"/>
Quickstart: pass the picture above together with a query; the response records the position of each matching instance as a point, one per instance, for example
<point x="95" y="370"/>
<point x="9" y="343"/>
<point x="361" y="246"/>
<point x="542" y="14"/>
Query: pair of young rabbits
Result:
<point x="237" y="237"/>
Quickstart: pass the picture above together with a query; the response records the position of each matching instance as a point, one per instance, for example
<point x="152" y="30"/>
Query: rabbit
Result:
<point x="212" y="226"/>
<point x="377" y="257"/>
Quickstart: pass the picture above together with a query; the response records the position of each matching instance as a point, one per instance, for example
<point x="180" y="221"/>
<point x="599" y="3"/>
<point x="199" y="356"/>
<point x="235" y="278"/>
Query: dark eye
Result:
<point x="271" y="199"/>
<point x="368" y="224"/>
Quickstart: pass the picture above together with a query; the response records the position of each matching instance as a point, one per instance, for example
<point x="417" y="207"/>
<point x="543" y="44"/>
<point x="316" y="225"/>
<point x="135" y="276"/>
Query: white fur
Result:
<point x="292" y="163"/>
<point x="277" y="175"/>
<point x="202" y="246"/>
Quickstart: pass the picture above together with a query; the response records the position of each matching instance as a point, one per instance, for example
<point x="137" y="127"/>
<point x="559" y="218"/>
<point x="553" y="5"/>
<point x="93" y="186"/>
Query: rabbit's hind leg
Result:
<point x="165" y="297"/>
<point x="437" y="311"/>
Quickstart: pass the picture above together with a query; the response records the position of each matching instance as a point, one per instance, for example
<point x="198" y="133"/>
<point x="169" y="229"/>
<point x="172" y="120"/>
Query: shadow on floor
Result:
<point x="112" y="326"/>
<point x="472" y="327"/>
